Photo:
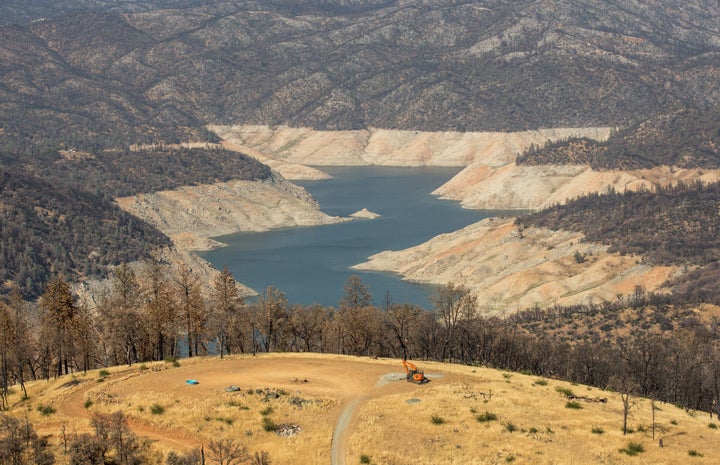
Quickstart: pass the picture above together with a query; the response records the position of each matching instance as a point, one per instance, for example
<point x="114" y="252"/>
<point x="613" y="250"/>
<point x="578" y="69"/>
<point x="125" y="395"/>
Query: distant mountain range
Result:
<point x="108" y="78"/>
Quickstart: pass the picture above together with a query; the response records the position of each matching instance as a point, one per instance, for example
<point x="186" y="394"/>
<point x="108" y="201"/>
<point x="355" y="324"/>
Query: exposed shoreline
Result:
<point x="510" y="273"/>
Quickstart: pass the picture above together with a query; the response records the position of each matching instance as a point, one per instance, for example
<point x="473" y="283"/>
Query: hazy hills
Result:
<point x="432" y="66"/>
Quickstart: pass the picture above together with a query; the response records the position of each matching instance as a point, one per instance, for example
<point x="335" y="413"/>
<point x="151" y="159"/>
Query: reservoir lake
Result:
<point x="311" y="264"/>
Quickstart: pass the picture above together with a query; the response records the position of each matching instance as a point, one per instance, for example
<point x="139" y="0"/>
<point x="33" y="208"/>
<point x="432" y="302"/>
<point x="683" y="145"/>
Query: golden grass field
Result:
<point x="393" y="422"/>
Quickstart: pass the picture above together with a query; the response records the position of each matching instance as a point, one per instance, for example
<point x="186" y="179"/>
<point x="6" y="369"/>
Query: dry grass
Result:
<point x="392" y="430"/>
<point x="532" y="424"/>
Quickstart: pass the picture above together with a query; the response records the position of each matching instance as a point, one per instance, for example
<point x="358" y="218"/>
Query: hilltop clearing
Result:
<point x="288" y="405"/>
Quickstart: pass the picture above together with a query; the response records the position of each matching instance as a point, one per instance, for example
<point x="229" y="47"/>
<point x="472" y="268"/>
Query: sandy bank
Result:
<point x="192" y="214"/>
<point x="388" y="147"/>
<point x="511" y="270"/>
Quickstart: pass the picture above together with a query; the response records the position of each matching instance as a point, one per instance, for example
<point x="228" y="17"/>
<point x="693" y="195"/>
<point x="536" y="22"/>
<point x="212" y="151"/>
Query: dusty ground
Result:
<point x="349" y="409"/>
<point x="317" y="393"/>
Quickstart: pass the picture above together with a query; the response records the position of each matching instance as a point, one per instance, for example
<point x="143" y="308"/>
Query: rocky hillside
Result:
<point x="387" y="147"/>
<point x="193" y="214"/>
<point x="687" y="138"/>
<point x="108" y="78"/>
<point x="510" y="268"/>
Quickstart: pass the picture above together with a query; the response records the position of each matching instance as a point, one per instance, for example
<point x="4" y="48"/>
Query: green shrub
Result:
<point x="510" y="427"/>
<point x="533" y="430"/>
<point x="436" y="420"/>
<point x="45" y="410"/>
<point x="225" y="420"/>
<point x="573" y="405"/>
<point x="597" y="430"/>
<point x="269" y="425"/>
<point x="144" y="367"/>
<point x="88" y="403"/>
<point x="364" y="458"/>
<point x="694" y="453"/>
<point x="633" y="448"/>
<point x="713" y="426"/>
<point x="157" y="409"/>
<point x="487" y="416"/>
<point x="266" y="411"/>
<point x="565" y="391"/>
<point x="541" y="382"/>
<point x="104" y="373"/>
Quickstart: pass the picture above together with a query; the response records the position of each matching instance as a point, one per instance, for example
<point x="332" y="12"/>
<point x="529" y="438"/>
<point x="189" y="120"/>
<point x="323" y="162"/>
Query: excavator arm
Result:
<point x="412" y="374"/>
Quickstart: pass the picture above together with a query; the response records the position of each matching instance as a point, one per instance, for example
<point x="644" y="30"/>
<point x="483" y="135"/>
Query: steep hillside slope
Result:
<point x="193" y="214"/>
<point x="438" y="65"/>
<point x="511" y="269"/>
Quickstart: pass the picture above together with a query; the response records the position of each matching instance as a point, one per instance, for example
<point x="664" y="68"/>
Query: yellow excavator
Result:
<point x="413" y="375"/>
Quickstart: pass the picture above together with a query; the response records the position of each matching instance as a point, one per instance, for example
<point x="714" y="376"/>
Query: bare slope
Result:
<point x="510" y="269"/>
<point x="393" y="147"/>
<point x="192" y="214"/>
<point x="482" y="416"/>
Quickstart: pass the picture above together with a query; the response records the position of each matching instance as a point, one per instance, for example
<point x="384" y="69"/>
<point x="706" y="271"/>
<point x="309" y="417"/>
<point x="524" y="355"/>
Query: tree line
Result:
<point x="157" y="312"/>
<point x="685" y="138"/>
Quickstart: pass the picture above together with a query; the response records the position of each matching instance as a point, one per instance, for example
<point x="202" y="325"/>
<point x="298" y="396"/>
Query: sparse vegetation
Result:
<point x="365" y="459"/>
<point x="573" y="405"/>
<point x="485" y="417"/>
<point x="269" y="425"/>
<point x="157" y="409"/>
<point x="694" y="453"/>
<point x="45" y="410"/>
<point x="597" y="430"/>
<point x="633" y="448"/>
<point x="437" y="420"/>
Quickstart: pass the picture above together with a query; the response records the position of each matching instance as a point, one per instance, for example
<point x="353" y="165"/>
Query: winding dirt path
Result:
<point x="390" y="383"/>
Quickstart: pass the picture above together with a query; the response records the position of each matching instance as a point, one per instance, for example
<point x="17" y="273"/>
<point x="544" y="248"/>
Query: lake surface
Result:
<point x="310" y="265"/>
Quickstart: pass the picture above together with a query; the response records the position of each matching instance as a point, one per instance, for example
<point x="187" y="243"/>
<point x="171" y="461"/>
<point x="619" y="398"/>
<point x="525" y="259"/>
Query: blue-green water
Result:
<point x="311" y="265"/>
